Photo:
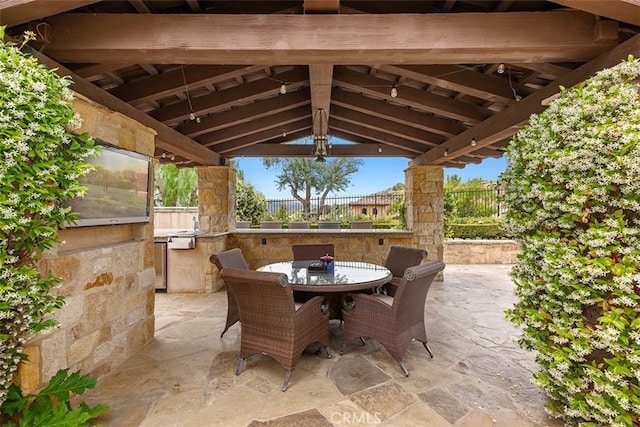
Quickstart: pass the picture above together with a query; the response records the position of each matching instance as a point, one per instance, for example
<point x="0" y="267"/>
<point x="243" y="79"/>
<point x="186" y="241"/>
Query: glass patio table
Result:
<point x="345" y="276"/>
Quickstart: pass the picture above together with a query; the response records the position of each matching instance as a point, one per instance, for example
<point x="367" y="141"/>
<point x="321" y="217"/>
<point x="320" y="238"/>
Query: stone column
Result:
<point x="424" y="201"/>
<point x="216" y="198"/>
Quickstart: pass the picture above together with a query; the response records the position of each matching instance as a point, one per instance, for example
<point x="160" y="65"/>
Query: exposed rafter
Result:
<point x="207" y="76"/>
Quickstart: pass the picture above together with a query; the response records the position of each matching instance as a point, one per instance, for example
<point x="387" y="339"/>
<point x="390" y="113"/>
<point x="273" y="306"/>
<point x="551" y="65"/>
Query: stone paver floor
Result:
<point x="478" y="376"/>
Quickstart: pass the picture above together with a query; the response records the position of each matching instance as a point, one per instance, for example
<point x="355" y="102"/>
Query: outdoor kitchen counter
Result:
<point x="188" y="269"/>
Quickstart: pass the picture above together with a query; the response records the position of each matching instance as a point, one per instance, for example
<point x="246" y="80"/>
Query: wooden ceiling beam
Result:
<point x="377" y="136"/>
<point x="16" y="12"/>
<point x="463" y="80"/>
<point x="553" y="70"/>
<point x="403" y="115"/>
<point x="369" y="147"/>
<point x="303" y="150"/>
<point x="469" y="38"/>
<point x="245" y="113"/>
<point x="172" y="82"/>
<point x="621" y="10"/>
<point x="166" y="138"/>
<point x="278" y="121"/>
<point x="91" y="71"/>
<point x="506" y="123"/>
<point x="304" y="124"/>
<point x="321" y="6"/>
<point x="387" y="126"/>
<point x="320" y="78"/>
<point x="227" y="98"/>
<point x="409" y="96"/>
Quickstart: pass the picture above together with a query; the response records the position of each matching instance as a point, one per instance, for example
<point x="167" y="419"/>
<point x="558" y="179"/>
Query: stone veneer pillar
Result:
<point x="107" y="275"/>
<point x="424" y="201"/>
<point x="216" y="198"/>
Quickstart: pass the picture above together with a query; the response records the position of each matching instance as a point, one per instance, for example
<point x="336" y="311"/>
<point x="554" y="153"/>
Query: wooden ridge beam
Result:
<point x="557" y="36"/>
<point x="321" y="79"/>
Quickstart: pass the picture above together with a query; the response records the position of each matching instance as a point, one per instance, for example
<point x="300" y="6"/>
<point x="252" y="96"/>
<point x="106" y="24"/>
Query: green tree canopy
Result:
<point x="304" y="177"/>
<point x="251" y="205"/>
<point x="175" y="186"/>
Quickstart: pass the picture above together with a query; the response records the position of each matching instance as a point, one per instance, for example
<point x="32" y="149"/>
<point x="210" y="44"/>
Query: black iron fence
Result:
<point x="342" y="208"/>
<point x="481" y="203"/>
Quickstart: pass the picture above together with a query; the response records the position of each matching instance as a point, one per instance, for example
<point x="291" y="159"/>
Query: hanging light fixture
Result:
<point x="394" y="91"/>
<point x="283" y="89"/>
<point x="192" y="115"/>
<point x="321" y="145"/>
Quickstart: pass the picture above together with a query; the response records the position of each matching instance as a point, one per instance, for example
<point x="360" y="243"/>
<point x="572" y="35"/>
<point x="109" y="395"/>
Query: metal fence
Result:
<point x="340" y="207"/>
<point x="481" y="203"/>
<point x="460" y="203"/>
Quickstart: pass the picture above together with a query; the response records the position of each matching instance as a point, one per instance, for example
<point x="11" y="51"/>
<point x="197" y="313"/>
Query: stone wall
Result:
<point x="107" y="278"/>
<point x="190" y="271"/>
<point x="465" y="251"/>
<point x="266" y="247"/>
<point x="171" y="218"/>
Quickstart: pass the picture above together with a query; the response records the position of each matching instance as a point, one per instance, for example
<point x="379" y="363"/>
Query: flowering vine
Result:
<point x="573" y="192"/>
<point x="40" y="162"/>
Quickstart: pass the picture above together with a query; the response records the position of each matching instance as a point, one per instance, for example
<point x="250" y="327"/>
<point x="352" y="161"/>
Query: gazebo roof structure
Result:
<point x="444" y="82"/>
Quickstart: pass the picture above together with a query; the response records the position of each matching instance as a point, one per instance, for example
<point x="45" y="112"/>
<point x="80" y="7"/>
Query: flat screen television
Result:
<point x="118" y="190"/>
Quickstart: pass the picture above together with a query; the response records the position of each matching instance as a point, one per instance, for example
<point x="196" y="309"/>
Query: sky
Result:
<point x="376" y="174"/>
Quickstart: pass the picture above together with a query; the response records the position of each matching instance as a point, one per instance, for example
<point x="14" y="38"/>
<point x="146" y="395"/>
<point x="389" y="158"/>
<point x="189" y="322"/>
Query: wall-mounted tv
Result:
<point x="118" y="190"/>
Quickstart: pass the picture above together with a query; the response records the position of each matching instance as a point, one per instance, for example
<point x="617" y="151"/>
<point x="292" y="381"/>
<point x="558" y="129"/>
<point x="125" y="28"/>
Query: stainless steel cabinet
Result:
<point x="160" y="257"/>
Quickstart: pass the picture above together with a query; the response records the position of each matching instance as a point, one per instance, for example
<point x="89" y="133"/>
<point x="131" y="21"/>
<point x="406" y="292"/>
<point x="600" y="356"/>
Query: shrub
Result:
<point x="573" y="190"/>
<point x="40" y="166"/>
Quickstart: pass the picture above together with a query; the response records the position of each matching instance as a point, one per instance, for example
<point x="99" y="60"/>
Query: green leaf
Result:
<point x="61" y="385"/>
<point x="15" y="401"/>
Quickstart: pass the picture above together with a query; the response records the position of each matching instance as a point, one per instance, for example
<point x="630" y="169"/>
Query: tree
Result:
<point x="573" y="189"/>
<point x="303" y="177"/>
<point x="251" y="205"/>
<point x="175" y="186"/>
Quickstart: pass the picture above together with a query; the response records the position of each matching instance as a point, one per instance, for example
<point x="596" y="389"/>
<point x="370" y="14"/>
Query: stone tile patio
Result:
<point x="478" y="377"/>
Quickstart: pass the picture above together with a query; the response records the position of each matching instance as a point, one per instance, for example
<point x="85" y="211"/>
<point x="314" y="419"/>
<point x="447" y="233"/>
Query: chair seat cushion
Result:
<point x="384" y="298"/>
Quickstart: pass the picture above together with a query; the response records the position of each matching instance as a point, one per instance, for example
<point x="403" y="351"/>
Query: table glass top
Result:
<point x="344" y="272"/>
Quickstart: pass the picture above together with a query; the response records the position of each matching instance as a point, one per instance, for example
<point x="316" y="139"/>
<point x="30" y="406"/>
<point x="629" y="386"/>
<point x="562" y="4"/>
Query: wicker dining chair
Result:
<point x="231" y="258"/>
<point x="311" y="251"/>
<point x="270" y="322"/>
<point x="399" y="258"/>
<point x="392" y="321"/>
